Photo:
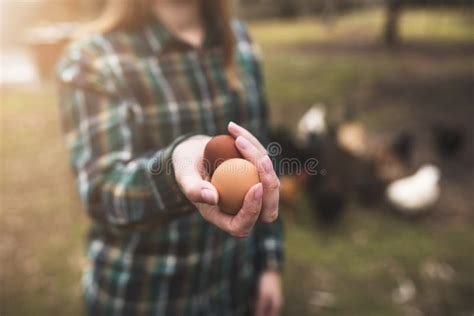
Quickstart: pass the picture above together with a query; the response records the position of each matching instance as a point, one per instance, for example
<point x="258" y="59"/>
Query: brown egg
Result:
<point x="233" y="179"/>
<point x="219" y="149"/>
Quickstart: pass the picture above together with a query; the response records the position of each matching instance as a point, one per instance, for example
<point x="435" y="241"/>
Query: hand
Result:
<point x="188" y="162"/>
<point x="254" y="151"/>
<point x="269" y="295"/>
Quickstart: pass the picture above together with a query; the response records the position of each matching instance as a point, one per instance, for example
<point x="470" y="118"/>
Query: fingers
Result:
<point x="248" y="150"/>
<point x="248" y="215"/>
<point x="237" y="130"/>
<point x="212" y="214"/>
<point x="269" y="297"/>
<point x="240" y="225"/>
<point x="267" y="175"/>
<point x="273" y="308"/>
<point x="271" y="185"/>
<point x="267" y="305"/>
<point x="260" y="306"/>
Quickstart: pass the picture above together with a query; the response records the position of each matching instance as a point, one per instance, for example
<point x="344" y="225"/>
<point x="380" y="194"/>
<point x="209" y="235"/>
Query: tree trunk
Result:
<point x="288" y="8"/>
<point x="329" y="10"/>
<point x="391" y="34"/>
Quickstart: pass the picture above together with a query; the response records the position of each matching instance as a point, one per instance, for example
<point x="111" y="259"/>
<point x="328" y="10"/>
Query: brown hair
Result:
<point x="134" y="14"/>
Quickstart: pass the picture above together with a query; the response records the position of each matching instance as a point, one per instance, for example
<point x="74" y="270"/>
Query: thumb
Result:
<point x="197" y="190"/>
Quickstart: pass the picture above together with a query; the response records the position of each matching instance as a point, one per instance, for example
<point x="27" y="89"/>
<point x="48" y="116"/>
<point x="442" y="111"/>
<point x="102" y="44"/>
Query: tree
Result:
<point x="391" y="31"/>
<point x="288" y="8"/>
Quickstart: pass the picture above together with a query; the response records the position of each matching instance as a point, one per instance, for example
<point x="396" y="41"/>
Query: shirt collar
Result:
<point x="161" y="39"/>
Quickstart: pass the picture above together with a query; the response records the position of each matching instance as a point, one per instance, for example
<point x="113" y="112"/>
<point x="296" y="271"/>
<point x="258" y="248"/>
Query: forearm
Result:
<point x="132" y="194"/>
<point x="121" y="185"/>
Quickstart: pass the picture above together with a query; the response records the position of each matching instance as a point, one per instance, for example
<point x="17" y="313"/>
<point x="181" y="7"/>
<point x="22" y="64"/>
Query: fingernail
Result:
<point x="234" y="126"/>
<point x="258" y="192"/>
<point x="208" y="196"/>
<point x="267" y="164"/>
<point x="242" y="142"/>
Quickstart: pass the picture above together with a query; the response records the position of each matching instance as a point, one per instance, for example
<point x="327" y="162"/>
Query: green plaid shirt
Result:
<point x="127" y="99"/>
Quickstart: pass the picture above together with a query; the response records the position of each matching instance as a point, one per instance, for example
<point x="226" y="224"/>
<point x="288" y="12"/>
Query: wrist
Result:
<point x="195" y="141"/>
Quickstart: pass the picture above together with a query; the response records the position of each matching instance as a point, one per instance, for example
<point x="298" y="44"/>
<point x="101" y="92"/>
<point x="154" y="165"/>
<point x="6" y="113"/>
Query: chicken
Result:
<point x="417" y="193"/>
<point x="448" y="141"/>
<point x="312" y="123"/>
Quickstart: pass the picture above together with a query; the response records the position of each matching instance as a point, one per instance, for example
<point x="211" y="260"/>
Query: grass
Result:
<point x="361" y="263"/>
<point x="308" y="61"/>
<point x="433" y="24"/>
<point x="42" y="224"/>
<point x="365" y="259"/>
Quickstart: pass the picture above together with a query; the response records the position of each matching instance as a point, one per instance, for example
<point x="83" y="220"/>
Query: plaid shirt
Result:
<point x="127" y="99"/>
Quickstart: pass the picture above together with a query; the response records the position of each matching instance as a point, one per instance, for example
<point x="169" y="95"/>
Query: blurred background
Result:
<point x="380" y="92"/>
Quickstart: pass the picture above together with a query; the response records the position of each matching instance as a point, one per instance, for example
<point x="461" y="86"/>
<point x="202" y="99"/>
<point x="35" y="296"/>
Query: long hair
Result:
<point x="133" y="15"/>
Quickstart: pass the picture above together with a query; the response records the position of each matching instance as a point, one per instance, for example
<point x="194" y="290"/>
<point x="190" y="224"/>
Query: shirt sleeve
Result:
<point x="269" y="237"/>
<point x="270" y="251"/>
<point x="120" y="185"/>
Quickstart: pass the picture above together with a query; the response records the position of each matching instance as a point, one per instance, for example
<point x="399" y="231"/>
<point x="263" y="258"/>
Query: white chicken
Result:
<point x="417" y="193"/>
<point x="313" y="122"/>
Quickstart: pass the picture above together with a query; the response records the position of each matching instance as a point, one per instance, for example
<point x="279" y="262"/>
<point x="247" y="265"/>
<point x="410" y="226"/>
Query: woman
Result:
<point x="140" y="97"/>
